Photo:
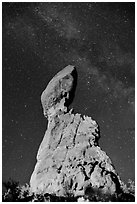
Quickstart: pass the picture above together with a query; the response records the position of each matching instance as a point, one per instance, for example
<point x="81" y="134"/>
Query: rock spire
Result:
<point x="69" y="159"/>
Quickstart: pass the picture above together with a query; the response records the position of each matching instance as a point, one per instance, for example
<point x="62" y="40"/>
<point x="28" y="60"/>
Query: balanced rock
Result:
<point x="69" y="159"/>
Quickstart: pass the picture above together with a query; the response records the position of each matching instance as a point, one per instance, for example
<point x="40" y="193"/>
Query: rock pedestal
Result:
<point x="69" y="158"/>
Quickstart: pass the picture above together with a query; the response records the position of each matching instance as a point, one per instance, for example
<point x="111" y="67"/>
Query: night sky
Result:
<point x="40" y="39"/>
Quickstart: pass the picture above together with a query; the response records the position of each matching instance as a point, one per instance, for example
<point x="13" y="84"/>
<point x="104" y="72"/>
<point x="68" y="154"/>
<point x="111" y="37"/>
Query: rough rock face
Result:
<point x="69" y="158"/>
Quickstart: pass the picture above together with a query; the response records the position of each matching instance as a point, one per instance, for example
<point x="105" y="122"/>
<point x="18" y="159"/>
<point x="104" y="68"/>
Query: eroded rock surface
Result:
<point x="69" y="158"/>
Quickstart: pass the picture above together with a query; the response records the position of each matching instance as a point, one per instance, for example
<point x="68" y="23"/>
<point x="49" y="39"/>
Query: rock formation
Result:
<point x="69" y="159"/>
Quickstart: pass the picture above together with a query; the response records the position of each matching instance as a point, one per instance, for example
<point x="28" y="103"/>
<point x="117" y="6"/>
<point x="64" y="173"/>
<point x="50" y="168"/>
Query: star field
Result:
<point x="39" y="39"/>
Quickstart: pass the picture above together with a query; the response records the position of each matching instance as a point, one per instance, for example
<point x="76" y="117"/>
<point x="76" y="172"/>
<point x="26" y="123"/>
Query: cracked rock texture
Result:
<point x="69" y="158"/>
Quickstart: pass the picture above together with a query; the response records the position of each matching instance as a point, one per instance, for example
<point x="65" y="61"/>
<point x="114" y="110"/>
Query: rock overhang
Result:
<point x="59" y="91"/>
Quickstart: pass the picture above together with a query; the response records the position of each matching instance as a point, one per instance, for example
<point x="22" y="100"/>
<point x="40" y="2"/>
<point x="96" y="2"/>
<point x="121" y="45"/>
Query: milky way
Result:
<point x="39" y="39"/>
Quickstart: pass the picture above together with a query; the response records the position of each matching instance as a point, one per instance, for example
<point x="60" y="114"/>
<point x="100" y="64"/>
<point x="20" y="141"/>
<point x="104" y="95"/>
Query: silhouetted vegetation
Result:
<point x="17" y="193"/>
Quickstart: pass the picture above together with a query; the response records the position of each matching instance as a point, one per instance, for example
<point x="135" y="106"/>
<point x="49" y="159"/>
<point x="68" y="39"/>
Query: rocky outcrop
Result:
<point x="69" y="159"/>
